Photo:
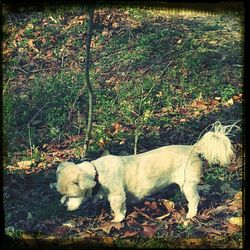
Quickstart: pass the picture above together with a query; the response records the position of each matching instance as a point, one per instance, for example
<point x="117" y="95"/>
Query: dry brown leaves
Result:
<point x="199" y="107"/>
<point x="108" y="226"/>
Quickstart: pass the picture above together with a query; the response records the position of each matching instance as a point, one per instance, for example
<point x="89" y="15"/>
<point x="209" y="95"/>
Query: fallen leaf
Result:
<point x="149" y="230"/>
<point x="191" y="241"/>
<point x="169" y="205"/>
<point x="132" y="222"/>
<point x="220" y="208"/>
<point x="101" y="142"/>
<point x="163" y="216"/>
<point x="112" y="79"/>
<point x="213" y="42"/>
<point x="29" y="240"/>
<point x="53" y="19"/>
<point x="151" y="205"/>
<point x="69" y="223"/>
<point x="182" y="212"/>
<point x="105" y="32"/>
<point x="41" y="165"/>
<point x="107" y="240"/>
<point x="25" y="164"/>
<point x="11" y="168"/>
<point x="30" y="43"/>
<point x="165" y="110"/>
<point x="107" y="226"/>
<point x="214" y="103"/>
<point x="230" y="102"/>
<point x="199" y="105"/>
<point x="81" y="17"/>
<point x="159" y="94"/>
<point x="49" y="54"/>
<point x="232" y="244"/>
<point x="179" y="41"/>
<point x="232" y="228"/>
<point x="197" y="113"/>
<point x="60" y="230"/>
<point x="123" y="141"/>
<point x="7" y="51"/>
<point x="142" y="213"/>
<point x="236" y="221"/>
<point x="129" y="233"/>
<point x="238" y="195"/>
<point x="233" y="168"/>
<point x="183" y="120"/>
<point x="134" y="214"/>
<point x="235" y="205"/>
<point x="210" y="230"/>
<point x="81" y="235"/>
<point x="30" y="26"/>
<point x="43" y="40"/>
<point x="186" y="223"/>
<point x="21" y="50"/>
<point x="55" y="228"/>
<point x="176" y="218"/>
<point x="237" y="98"/>
<point x="116" y="127"/>
<point x="102" y="215"/>
<point x="115" y="25"/>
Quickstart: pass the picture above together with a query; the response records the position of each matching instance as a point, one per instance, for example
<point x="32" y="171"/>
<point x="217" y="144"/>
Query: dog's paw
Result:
<point x="72" y="208"/>
<point x="118" y="218"/>
<point x="74" y="203"/>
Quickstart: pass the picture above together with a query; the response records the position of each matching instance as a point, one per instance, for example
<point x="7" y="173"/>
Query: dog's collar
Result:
<point x="96" y="173"/>
<point x="96" y="179"/>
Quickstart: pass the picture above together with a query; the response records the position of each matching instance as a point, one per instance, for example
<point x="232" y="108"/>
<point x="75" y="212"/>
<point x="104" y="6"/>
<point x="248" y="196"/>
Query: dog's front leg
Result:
<point x="118" y="206"/>
<point x="74" y="203"/>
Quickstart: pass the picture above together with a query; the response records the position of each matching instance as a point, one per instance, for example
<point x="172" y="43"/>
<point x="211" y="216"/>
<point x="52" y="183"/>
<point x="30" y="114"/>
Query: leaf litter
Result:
<point x="148" y="218"/>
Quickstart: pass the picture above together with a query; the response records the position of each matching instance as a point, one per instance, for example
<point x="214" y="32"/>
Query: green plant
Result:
<point x="228" y="92"/>
<point x="185" y="231"/>
<point x="137" y="107"/>
<point x="13" y="233"/>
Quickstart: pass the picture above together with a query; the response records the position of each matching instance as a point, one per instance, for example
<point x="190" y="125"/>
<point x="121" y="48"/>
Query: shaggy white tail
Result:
<point x="215" y="145"/>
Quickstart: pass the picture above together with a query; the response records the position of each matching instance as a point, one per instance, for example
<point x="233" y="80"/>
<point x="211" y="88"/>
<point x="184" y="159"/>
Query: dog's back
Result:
<point x="151" y="171"/>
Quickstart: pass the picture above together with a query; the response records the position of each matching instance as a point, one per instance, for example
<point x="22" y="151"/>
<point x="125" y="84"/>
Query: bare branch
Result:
<point x="88" y="84"/>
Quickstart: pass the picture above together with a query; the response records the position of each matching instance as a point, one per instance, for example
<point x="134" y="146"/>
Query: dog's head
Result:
<point x="75" y="181"/>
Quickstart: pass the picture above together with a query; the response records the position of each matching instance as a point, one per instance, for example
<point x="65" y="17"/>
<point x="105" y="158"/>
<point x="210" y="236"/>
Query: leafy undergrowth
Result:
<point x="190" y="62"/>
<point x="195" y="66"/>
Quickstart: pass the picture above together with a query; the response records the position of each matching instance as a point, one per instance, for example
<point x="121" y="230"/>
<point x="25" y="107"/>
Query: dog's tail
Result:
<point x="215" y="145"/>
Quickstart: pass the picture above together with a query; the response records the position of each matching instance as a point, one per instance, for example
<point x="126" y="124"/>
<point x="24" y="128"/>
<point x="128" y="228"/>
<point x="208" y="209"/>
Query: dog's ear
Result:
<point x="59" y="168"/>
<point x="63" y="165"/>
<point x="85" y="182"/>
<point x="86" y="176"/>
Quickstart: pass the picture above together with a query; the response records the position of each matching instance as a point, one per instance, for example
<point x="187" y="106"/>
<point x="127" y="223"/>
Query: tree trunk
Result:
<point x="88" y="84"/>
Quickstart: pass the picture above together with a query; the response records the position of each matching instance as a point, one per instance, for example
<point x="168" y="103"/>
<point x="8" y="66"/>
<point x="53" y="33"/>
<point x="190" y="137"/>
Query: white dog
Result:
<point x="123" y="179"/>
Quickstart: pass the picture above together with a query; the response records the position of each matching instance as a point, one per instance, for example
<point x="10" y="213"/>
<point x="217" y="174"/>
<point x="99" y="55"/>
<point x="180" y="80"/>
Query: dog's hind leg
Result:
<point x="192" y="196"/>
